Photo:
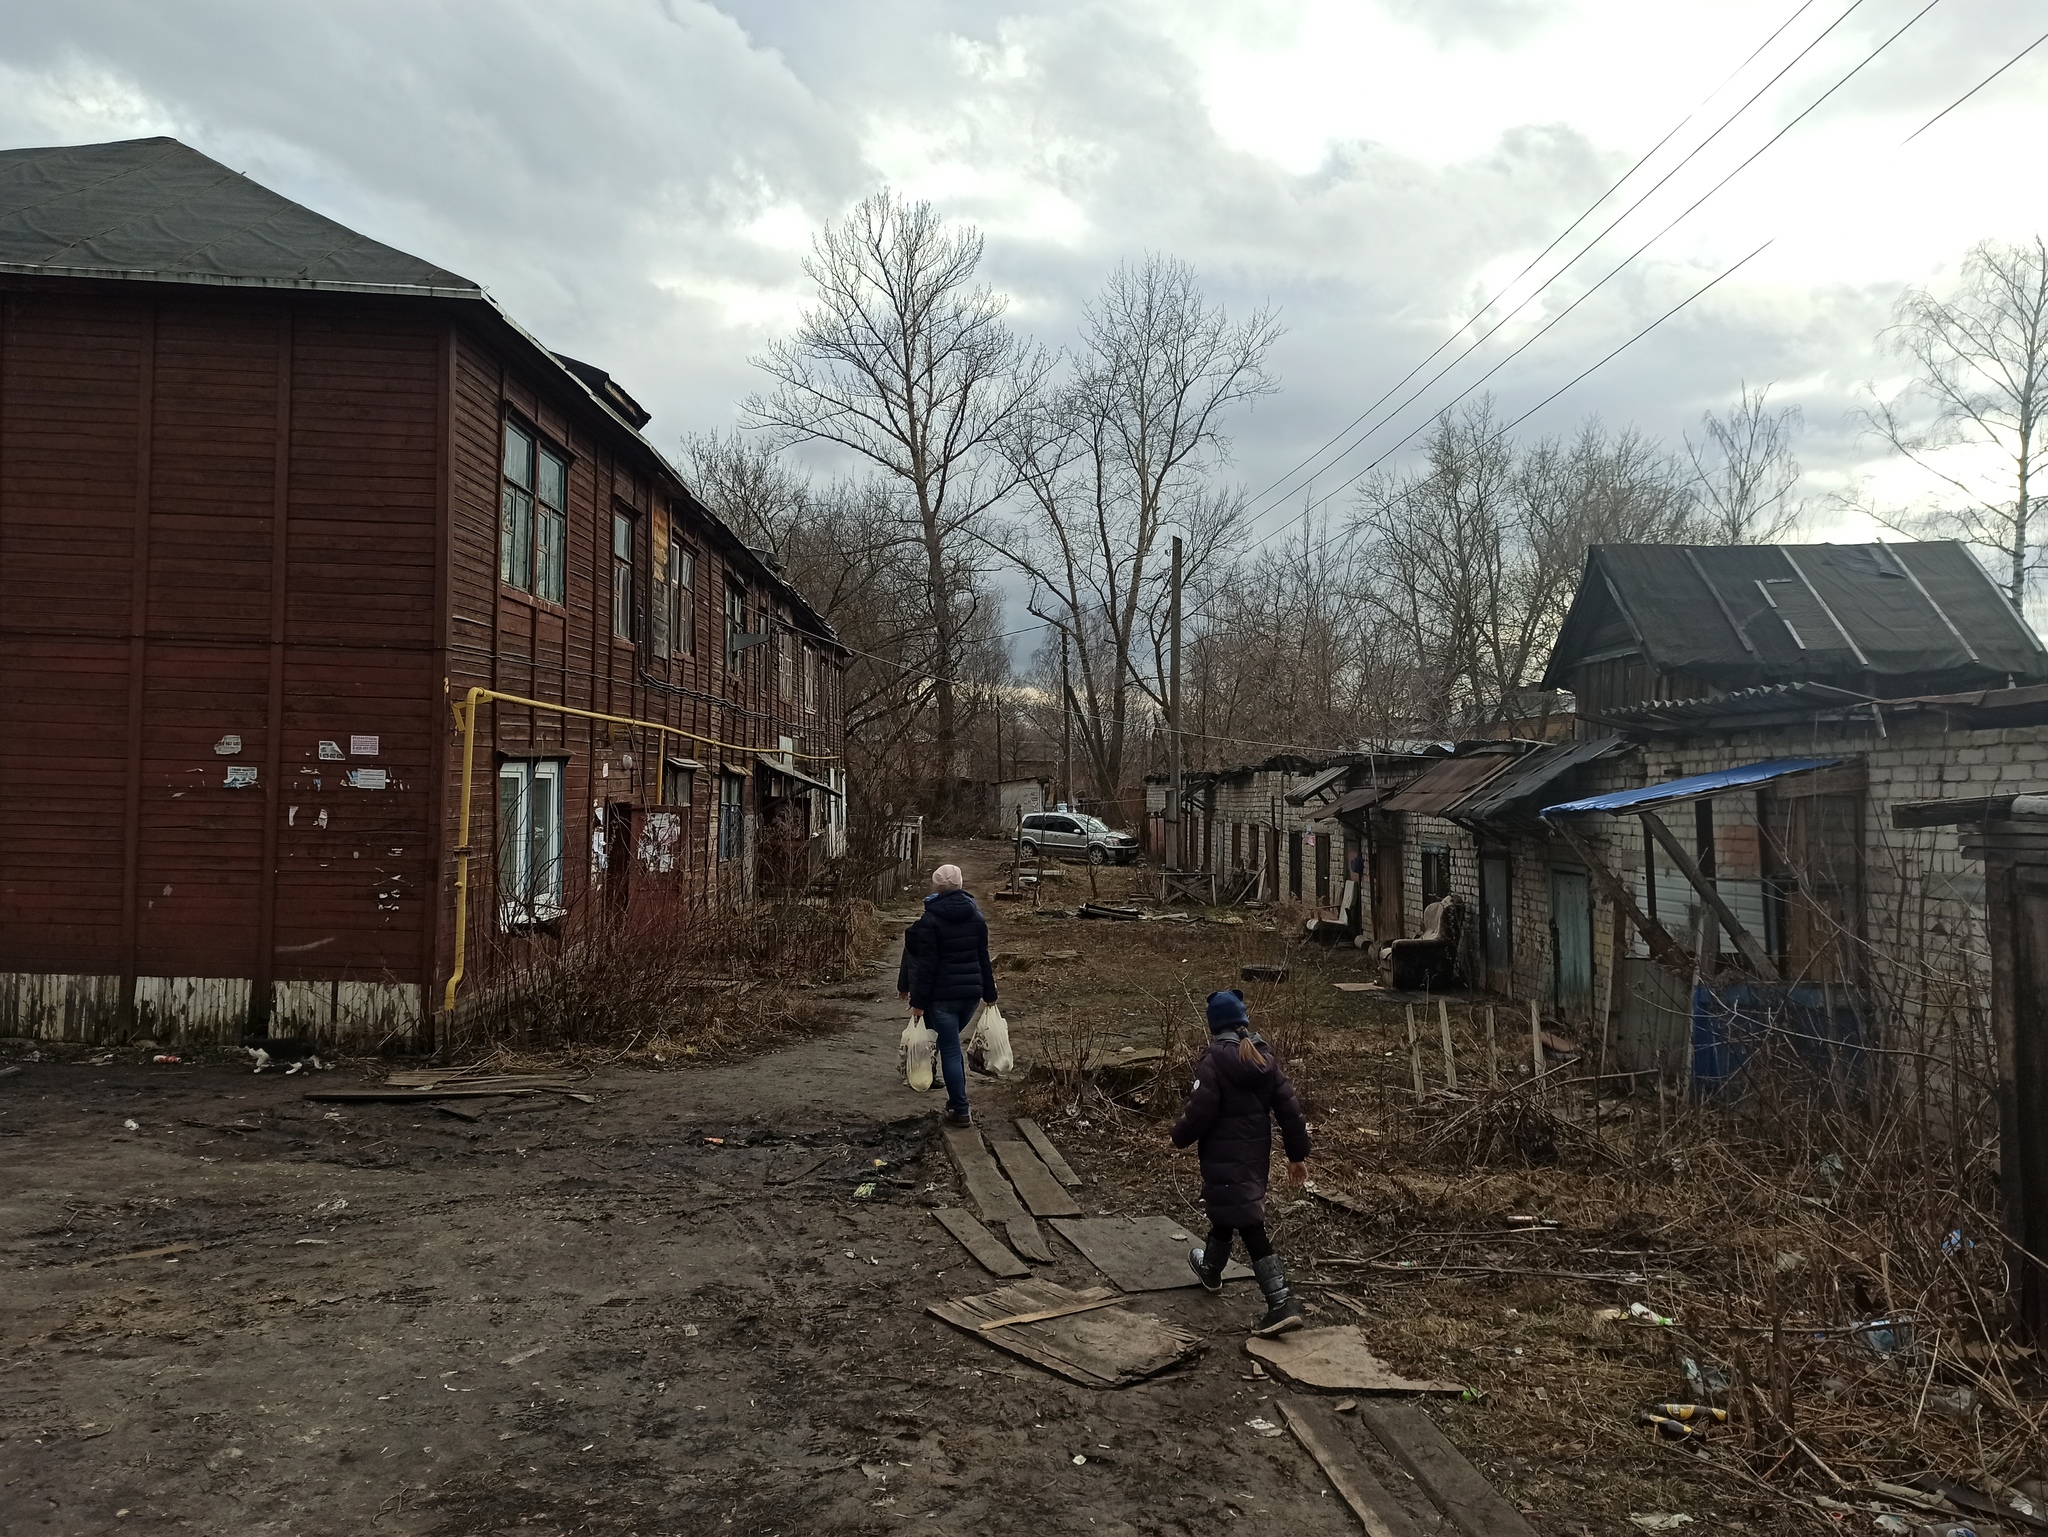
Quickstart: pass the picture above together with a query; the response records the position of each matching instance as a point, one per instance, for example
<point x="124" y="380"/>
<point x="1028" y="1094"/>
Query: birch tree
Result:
<point x="1973" y="416"/>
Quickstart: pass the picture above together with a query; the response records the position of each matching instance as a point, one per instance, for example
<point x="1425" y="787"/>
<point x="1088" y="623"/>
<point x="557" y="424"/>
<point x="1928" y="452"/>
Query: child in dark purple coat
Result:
<point x="1240" y="1090"/>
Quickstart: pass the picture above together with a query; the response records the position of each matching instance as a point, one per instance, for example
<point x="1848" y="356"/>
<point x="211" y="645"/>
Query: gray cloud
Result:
<point x="635" y="180"/>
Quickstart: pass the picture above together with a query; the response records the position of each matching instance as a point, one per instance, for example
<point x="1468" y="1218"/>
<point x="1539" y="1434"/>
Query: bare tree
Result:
<point x="908" y="363"/>
<point x="1474" y="558"/>
<point x="1745" y="471"/>
<point x="1978" y="398"/>
<point x="1113" y="458"/>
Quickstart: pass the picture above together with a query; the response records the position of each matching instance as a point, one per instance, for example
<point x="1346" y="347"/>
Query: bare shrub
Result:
<point x="700" y="980"/>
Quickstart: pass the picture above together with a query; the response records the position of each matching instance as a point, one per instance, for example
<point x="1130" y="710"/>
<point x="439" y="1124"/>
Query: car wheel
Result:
<point x="1098" y="855"/>
<point x="1027" y="849"/>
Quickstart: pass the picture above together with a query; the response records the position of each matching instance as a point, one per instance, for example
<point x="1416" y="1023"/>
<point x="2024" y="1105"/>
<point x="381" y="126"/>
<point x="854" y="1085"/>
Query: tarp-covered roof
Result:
<point x="1693" y="787"/>
<point x="158" y="209"/>
<point x="1743" y="615"/>
<point x="1437" y="789"/>
<point x="1533" y="775"/>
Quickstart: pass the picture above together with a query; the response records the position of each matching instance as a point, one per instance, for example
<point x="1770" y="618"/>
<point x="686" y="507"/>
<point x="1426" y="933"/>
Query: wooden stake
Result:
<point x="1536" y="1036"/>
<point x="1443" y="1019"/>
<point x="1414" y="1052"/>
<point x="1492" y="1052"/>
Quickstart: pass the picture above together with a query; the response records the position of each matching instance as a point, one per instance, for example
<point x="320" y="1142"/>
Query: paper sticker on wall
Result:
<point x="241" y="775"/>
<point x="321" y="820"/>
<point x="362" y="747"/>
<point x="367" y="779"/>
<point x="331" y="752"/>
<point x="228" y="746"/>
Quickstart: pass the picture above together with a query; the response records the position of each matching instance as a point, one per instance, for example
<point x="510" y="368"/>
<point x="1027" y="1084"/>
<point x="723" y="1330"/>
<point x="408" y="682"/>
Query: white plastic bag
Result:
<point x="917" y="1053"/>
<point x="992" y="1040"/>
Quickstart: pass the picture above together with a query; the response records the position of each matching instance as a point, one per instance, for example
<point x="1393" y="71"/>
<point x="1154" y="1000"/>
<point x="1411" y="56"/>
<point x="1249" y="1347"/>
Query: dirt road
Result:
<point x="575" y="1319"/>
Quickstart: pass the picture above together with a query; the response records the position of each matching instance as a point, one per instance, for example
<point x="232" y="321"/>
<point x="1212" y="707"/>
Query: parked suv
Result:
<point x="1070" y="835"/>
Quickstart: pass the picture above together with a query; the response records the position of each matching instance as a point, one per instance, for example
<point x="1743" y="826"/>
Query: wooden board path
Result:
<point x="981" y="1243"/>
<point x="1457" y="1488"/>
<point x="1138" y="1254"/>
<point x="1110" y="1347"/>
<point x="1044" y="1195"/>
<point x="1377" y="1510"/>
<point x="991" y="1193"/>
<point x="1049" y="1155"/>
<point x="1027" y="1240"/>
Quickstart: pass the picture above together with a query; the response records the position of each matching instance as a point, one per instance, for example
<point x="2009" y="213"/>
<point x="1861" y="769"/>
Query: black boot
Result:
<point x="1282" y="1311"/>
<point x="1207" y="1262"/>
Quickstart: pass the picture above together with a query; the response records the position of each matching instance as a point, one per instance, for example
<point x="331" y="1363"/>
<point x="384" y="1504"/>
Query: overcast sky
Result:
<point x="637" y="180"/>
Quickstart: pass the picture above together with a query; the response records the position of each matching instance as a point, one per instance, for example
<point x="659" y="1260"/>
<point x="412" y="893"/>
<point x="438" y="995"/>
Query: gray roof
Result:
<point x="159" y="210"/>
<point x="1740" y="616"/>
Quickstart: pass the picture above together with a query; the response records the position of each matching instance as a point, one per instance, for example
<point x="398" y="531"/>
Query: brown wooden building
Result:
<point x="283" y="512"/>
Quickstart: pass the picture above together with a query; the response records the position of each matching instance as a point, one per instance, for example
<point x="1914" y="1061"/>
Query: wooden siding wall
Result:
<point x="567" y="654"/>
<point x="217" y="521"/>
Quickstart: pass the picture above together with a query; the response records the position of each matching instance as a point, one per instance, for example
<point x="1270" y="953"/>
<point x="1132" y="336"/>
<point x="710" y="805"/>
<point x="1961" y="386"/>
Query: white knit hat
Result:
<point x="948" y="878"/>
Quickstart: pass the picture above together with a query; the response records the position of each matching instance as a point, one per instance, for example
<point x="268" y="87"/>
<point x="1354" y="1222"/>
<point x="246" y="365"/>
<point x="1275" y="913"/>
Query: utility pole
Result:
<point x="1174" y="851"/>
<point x="1065" y="797"/>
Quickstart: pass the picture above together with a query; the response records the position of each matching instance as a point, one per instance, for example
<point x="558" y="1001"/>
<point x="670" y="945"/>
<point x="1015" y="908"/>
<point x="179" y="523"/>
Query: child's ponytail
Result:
<point x="1248" y="1050"/>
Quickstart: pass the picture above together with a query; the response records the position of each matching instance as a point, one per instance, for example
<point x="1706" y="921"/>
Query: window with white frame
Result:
<point x="529" y="842"/>
<point x="785" y="666"/>
<point x="810" y="681"/>
<point x="622" y="576"/>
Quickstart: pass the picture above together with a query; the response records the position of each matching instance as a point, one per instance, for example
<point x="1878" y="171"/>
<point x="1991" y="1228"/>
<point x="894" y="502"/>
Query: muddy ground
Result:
<point x="596" y="1319"/>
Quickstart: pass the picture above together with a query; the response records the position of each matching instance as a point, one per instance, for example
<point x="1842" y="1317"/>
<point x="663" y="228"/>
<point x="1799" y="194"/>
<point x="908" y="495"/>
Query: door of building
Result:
<point x="1496" y="922"/>
<point x="1294" y="865"/>
<point x="1571" y="927"/>
<point x="1386" y="886"/>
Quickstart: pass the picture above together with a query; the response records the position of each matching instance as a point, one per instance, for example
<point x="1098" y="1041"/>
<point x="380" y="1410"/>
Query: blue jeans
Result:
<point x="947" y="1017"/>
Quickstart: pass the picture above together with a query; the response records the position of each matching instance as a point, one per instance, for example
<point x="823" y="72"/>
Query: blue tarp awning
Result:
<point x="1692" y="788"/>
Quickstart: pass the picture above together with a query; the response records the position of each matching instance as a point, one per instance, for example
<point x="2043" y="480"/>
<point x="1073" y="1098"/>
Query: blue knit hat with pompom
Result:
<point x="1227" y="1012"/>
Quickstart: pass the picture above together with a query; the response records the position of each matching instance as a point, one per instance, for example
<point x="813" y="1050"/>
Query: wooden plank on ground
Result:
<point x="1138" y="1254"/>
<point x="981" y="1243"/>
<point x="1049" y="1155"/>
<point x="404" y="1096"/>
<point x="1337" y="1359"/>
<point x="1027" y="1240"/>
<point x="991" y="1193"/>
<point x="1102" y="1347"/>
<point x="1043" y="1195"/>
<point x="1457" y="1488"/>
<point x="1039" y="1316"/>
<point x="1348" y="1475"/>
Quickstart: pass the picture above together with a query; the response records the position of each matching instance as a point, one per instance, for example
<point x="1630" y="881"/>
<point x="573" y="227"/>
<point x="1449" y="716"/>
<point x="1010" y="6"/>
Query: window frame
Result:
<point x="528" y="899"/>
<point x="533" y="533"/>
<point x="735" y="624"/>
<point x="732" y="817"/>
<point x="623" y="524"/>
<point x="681" y="597"/>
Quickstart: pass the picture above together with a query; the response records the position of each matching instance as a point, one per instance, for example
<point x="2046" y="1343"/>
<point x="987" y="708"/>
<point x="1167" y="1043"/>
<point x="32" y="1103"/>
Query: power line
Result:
<point x="1754" y="156"/>
<point x="1973" y="90"/>
<point x="1537" y="293"/>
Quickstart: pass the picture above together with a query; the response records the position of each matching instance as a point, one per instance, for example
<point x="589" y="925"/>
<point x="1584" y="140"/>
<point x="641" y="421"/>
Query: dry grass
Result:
<point x="667" y="982"/>
<point x="1765" y="1229"/>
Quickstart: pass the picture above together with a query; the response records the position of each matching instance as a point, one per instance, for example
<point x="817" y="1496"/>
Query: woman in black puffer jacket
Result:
<point x="945" y="970"/>
<point x="1240" y="1091"/>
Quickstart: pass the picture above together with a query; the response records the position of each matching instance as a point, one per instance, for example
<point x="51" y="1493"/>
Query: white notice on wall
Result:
<point x="228" y="746"/>
<point x="330" y="752"/>
<point x="367" y="779"/>
<point x="362" y="747"/>
<point x="241" y="775"/>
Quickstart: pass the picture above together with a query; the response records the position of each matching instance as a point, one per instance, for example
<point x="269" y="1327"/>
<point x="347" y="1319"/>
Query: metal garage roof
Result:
<point x="1692" y="788"/>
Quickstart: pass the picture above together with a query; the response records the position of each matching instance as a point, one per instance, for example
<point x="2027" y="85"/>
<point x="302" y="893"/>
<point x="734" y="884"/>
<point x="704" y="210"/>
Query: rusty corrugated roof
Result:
<point x="1441" y="787"/>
